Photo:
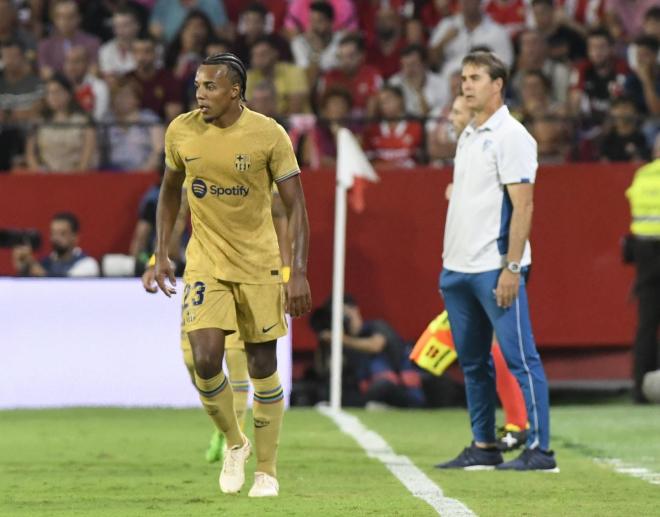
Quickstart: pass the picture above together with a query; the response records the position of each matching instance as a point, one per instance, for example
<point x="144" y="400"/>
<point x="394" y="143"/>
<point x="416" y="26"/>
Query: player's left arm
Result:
<point x="299" y="298"/>
<point x="522" y="200"/>
<point x="281" y="223"/>
<point x="517" y="162"/>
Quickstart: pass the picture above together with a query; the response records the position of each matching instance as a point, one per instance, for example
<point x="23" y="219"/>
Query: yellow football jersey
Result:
<point x="229" y="177"/>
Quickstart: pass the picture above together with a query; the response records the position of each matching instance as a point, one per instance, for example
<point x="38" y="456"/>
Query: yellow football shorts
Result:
<point x="255" y="311"/>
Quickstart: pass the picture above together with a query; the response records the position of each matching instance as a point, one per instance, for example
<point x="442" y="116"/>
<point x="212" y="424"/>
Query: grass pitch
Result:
<point x="115" y="462"/>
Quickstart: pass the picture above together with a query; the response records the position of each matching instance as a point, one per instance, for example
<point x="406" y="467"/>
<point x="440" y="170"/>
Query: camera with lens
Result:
<point x="11" y="237"/>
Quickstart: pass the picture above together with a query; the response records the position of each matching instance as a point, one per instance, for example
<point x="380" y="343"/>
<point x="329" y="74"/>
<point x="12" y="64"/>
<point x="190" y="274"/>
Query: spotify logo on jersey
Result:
<point x="199" y="188"/>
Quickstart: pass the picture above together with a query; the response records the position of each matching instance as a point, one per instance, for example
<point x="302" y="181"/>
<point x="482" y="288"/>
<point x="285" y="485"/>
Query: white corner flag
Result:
<point x="353" y="169"/>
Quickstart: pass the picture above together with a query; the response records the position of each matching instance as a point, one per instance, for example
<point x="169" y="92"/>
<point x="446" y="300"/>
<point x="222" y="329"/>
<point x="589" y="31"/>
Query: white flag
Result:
<point x="351" y="161"/>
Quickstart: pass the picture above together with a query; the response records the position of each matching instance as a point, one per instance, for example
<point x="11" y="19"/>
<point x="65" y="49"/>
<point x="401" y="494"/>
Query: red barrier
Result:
<point x="579" y="288"/>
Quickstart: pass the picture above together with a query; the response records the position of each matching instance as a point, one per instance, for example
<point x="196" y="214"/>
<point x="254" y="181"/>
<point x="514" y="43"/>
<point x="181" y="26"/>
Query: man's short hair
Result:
<point x="337" y="91"/>
<point x="649" y="42"/>
<point x="257" y="8"/>
<point x="545" y="80"/>
<point x="493" y="64"/>
<point x="624" y="100"/>
<point x="600" y="32"/>
<point x="70" y="218"/>
<point x="396" y="90"/>
<point x="653" y="13"/>
<point x="415" y="48"/>
<point x="353" y="39"/>
<point x="265" y="39"/>
<point x="549" y="3"/>
<point x="323" y="8"/>
<point x="128" y="10"/>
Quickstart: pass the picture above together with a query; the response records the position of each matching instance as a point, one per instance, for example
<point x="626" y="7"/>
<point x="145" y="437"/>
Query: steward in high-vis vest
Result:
<point x="644" y="198"/>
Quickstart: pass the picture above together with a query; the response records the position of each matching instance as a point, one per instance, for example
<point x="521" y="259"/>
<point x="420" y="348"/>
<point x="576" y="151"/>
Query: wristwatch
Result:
<point x="514" y="267"/>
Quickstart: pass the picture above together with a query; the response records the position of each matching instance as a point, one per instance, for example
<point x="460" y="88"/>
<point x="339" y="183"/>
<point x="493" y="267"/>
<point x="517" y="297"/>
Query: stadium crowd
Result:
<point x="90" y="85"/>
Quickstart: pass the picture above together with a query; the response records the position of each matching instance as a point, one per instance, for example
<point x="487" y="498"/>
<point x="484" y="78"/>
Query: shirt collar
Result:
<point x="494" y="121"/>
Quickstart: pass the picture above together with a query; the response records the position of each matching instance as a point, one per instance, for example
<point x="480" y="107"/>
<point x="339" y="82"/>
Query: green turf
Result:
<point x="583" y="487"/>
<point x="113" y="462"/>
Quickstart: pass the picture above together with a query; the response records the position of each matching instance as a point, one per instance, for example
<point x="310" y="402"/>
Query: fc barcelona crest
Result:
<point x="242" y="162"/>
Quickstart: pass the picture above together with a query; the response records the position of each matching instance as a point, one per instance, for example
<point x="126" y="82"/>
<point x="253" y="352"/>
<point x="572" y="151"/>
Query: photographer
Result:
<point x="376" y="365"/>
<point x="66" y="259"/>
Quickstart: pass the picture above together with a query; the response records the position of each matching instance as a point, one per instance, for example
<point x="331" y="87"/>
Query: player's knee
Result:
<point x="207" y="365"/>
<point x="261" y="364"/>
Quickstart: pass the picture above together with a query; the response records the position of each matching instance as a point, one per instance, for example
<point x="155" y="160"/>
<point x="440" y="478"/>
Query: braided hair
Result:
<point x="236" y="74"/>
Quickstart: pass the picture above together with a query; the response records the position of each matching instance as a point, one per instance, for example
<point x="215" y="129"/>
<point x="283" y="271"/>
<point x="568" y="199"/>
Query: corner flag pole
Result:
<point x="338" y="295"/>
<point x="351" y="163"/>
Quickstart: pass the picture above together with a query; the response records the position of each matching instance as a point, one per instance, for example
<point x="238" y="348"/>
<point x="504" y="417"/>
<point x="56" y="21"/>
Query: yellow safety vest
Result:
<point x="644" y="198"/>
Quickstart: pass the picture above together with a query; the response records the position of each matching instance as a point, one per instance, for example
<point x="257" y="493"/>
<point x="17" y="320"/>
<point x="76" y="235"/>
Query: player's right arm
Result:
<point x="169" y="202"/>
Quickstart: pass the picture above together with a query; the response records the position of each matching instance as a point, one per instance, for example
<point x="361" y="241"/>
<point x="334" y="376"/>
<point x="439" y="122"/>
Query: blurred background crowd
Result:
<point x="92" y="84"/>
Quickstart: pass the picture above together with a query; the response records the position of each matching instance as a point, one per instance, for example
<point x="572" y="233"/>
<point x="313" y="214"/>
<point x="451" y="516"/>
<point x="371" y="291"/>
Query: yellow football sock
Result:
<point x="239" y="380"/>
<point x="218" y="401"/>
<point x="190" y="364"/>
<point x="268" y="410"/>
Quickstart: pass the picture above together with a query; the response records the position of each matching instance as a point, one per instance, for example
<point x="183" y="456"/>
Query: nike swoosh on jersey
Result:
<point x="190" y="159"/>
<point x="264" y="329"/>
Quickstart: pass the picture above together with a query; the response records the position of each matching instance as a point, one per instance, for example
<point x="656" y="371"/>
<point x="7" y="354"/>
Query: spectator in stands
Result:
<point x="433" y="12"/>
<point x="168" y="16"/>
<point x="533" y="55"/>
<point x="377" y="370"/>
<point x="597" y="80"/>
<point x="116" y="56"/>
<point x="218" y="46"/>
<point x="535" y="99"/>
<point x="315" y="50"/>
<point x="11" y="31"/>
<point x="64" y="139"/>
<point x="20" y="89"/>
<point x="252" y="26"/>
<point x="625" y="17"/>
<point x="625" y="142"/>
<point x="263" y="99"/>
<point x="162" y="93"/>
<point x="67" y="34"/>
<point x="394" y="141"/>
<point x="34" y="17"/>
<point x="442" y="124"/>
<point x="510" y="14"/>
<point x="564" y="42"/>
<point x="643" y="84"/>
<point x="98" y="17"/>
<point x="423" y="90"/>
<point x="20" y="98"/>
<point x="550" y="137"/>
<point x="92" y="93"/>
<point x="186" y="51"/>
<point x="384" y="50"/>
<point x="288" y="79"/>
<point x="354" y="75"/>
<point x="455" y="36"/>
<point x="319" y="148"/>
<point x="585" y="14"/>
<point x="300" y="13"/>
<point x="133" y="136"/>
<point x="651" y="23"/>
<point x="66" y="259"/>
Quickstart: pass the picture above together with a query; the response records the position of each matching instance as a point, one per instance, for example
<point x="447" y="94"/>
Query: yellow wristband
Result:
<point x="152" y="261"/>
<point x="286" y="274"/>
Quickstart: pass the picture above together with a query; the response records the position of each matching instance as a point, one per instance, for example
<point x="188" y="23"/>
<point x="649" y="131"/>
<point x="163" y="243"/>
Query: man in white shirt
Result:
<point x="486" y="251"/>
<point x="457" y="35"/>
<point x="116" y="56"/>
<point x="316" y="49"/>
<point x="423" y="91"/>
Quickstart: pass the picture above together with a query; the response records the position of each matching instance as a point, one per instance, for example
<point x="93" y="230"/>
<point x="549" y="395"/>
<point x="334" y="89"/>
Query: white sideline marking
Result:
<point x="629" y="469"/>
<point x="417" y="483"/>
